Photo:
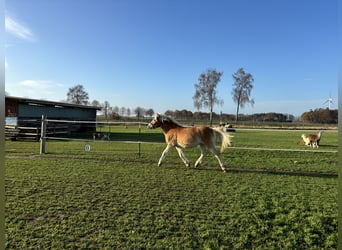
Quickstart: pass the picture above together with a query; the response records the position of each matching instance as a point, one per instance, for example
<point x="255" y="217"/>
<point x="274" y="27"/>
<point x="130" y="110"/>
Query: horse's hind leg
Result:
<point x="221" y="162"/>
<point x="218" y="157"/>
<point x="165" y="152"/>
<point x="182" y="156"/>
<point x="199" y="160"/>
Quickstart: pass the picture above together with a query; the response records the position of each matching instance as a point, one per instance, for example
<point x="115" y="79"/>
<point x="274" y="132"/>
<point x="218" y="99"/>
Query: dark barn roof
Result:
<point x="49" y="103"/>
<point x="26" y="108"/>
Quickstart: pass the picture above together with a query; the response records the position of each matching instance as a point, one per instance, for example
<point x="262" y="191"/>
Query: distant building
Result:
<point x="25" y="112"/>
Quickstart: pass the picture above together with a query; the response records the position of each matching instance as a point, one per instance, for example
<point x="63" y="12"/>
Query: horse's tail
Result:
<point x="225" y="138"/>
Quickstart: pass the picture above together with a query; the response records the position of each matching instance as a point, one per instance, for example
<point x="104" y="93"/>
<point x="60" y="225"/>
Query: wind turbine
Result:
<point x="329" y="101"/>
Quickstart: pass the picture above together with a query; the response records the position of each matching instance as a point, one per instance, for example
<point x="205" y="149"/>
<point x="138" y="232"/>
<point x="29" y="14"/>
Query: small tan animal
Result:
<point x="316" y="138"/>
<point x="306" y="140"/>
<point x="309" y="142"/>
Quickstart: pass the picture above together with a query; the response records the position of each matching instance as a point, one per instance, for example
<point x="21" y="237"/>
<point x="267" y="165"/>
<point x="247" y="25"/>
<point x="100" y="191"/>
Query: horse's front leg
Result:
<point x="182" y="156"/>
<point x="165" y="152"/>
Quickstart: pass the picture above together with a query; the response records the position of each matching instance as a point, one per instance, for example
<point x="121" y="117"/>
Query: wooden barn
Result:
<point x="23" y="117"/>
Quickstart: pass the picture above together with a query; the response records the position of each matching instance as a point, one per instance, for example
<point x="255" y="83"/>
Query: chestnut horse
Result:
<point x="179" y="136"/>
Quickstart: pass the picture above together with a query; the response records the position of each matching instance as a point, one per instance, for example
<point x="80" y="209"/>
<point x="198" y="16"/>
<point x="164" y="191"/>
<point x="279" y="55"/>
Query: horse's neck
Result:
<point x="319" y="135"/>
<point x="166" y="126"/>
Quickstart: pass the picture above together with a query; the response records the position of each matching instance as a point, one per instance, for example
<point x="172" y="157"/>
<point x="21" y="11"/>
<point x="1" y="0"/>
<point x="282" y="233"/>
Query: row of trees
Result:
<point x="78" y="95"/>
<point x="327" y="116"/>
<point x="321" y="116"/>
<point x="116" y="112"/>
<point x="258" y="117"/>
<point x="206" y="96"/>
<point x="312" y="116"/>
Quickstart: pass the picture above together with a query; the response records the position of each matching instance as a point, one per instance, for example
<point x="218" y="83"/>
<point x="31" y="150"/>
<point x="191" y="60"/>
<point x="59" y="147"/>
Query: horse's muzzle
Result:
<point x="150" y="126"/>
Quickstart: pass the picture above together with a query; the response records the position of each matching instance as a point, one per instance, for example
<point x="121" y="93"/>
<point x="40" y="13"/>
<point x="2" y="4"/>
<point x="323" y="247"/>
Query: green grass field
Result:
<point x="113" y="198"/>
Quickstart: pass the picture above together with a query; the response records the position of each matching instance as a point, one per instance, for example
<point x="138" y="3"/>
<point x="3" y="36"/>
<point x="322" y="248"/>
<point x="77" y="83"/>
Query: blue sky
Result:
<point x="150" y="53"/>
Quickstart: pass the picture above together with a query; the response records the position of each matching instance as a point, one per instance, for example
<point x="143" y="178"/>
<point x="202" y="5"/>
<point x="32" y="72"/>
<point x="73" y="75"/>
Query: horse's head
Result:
<point x="156" y="122"/>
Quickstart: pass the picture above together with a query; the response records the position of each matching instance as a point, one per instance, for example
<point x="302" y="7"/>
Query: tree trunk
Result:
<point x="237" y="109"/>
<point x="237" y="113"/>
<point x="211" y="116"/>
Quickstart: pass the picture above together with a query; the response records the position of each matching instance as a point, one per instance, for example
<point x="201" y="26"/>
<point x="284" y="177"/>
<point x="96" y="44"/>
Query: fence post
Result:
<point x="43" y="135"/>
<point x="139" y="144"/>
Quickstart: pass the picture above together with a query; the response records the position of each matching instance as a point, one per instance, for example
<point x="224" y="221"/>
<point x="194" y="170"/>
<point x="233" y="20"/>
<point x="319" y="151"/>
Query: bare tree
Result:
<point x="139" y="111"/>
<point x="77" y="95"/>
<point x="122" y="111"/>
<point x="128" y="112"/>
<point x="115" y="110"/>
<point x="95" y="103"/>
<point x="205" y="91"/>
<point x="149" y="112"/>
<point x="242" y="87"/>
<point x="106" y="109"/>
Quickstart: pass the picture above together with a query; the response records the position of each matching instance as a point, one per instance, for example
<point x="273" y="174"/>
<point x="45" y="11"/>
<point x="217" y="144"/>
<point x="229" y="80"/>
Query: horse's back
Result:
<point x="204" y="131"/>
<point x="189" y="136"/>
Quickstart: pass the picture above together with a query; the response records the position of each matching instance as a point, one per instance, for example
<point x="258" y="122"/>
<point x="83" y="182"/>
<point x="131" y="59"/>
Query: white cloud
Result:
<point x="18" y="29"/>
<point x="40" y="84"/>
<point x="37" y="89"/>
<point x="37" y="84"/>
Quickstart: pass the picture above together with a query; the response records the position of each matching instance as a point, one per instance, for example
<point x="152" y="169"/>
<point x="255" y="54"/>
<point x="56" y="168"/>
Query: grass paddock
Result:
<point x="112" y="198"/>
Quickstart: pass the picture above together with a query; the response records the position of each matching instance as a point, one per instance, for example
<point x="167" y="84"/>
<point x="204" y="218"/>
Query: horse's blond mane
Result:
<point x="167" y="118"/>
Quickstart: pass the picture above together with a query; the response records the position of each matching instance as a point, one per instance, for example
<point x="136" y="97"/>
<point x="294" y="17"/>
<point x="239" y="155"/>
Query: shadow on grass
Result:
<point x="257" y="171"/>
<point x="281" y="172"/>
